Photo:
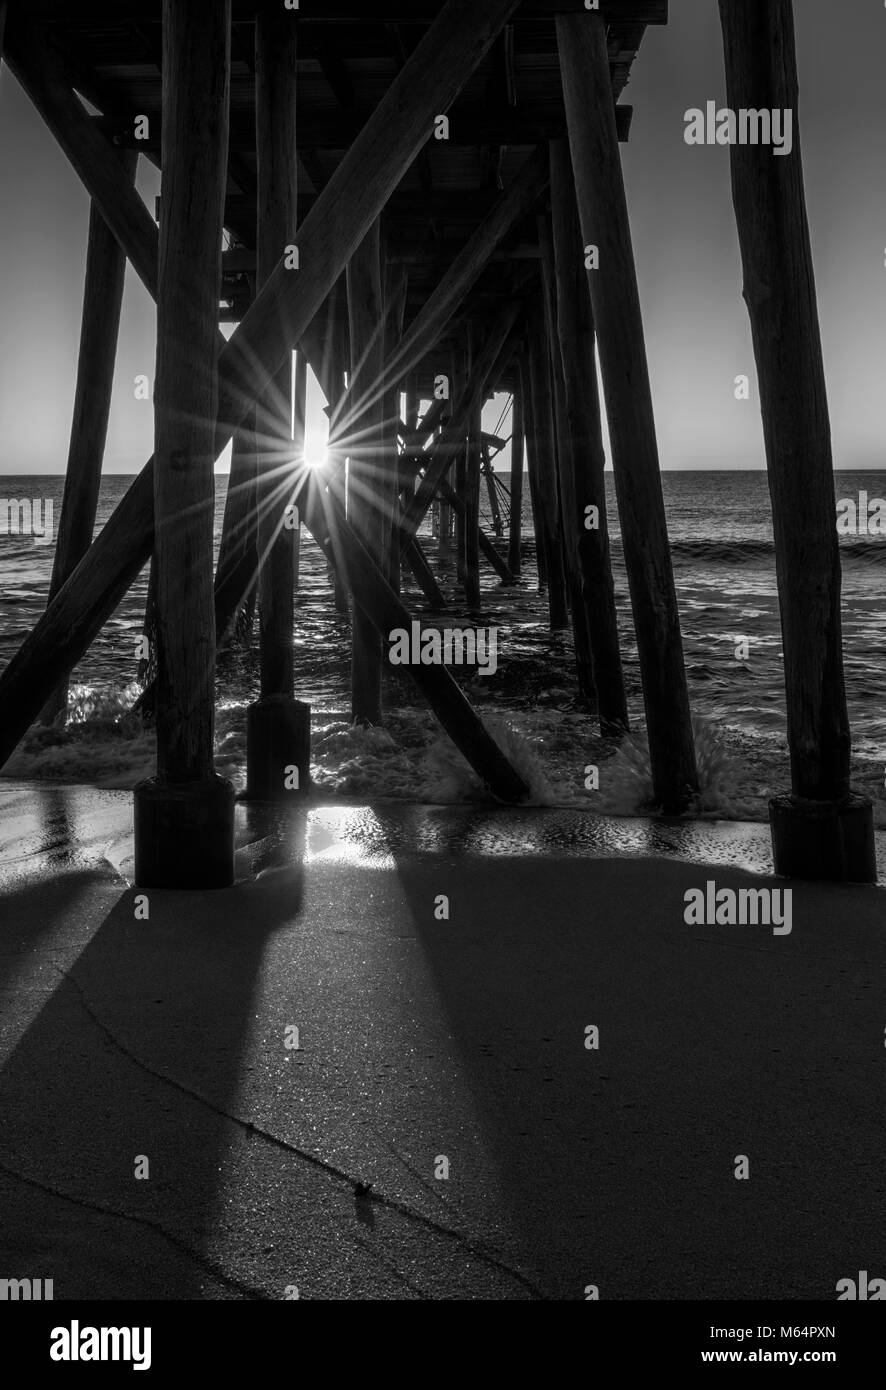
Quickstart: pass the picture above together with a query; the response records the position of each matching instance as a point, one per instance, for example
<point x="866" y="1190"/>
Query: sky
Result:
<point x="685" y="243"/>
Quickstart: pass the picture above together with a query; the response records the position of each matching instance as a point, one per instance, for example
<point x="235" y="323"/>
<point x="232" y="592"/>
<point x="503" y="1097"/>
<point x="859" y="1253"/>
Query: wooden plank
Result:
<point x="471" y="125"/>
<point x="102" y="302"/>
<point x="779" y="289"/>
<point x="324" y="12"/>
<point x="196" y="76"/>
<point x="616" y="305"/>
<point x="276" y="82"/>
<point x="582" y="443"/>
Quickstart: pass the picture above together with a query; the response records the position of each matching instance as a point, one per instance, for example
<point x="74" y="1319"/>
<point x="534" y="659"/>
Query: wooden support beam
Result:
<point x="423" y="163"/>
<point x="449" y="496"/>
<point x="563" y="446"/>
<point x="276" y="82"/>
<point x="236" y="573"/>
<point x="515" y="521"/>
<point x="370" y="477"/>
<point x="543" y="463"/>
<point x="779" y="289"/>
<point x="471" y="125"/>
<point x="325" y="519"/>
<point x="355" y="195"/>
<point x="299" y="428"/>
<point x="462" y="274"/>
<point x="184" y="818"/>
<point x="195" y="96"/>
<point x="472" y="511"/>
<point x="364" y="180"/>
<point x="443" y="452"/>
<point x="42" y="75"/>
<point x="491" y="489"/>
<point x="615" y="298"/>
<point x="396" y="287"/>
<point x="102" y="303"/>
<point x="423" y="574"/>
<point x="532" y="469"/>
<point x="413" y="12"/>
<point x="582" y="445"/>
<point x="461" y="373"/>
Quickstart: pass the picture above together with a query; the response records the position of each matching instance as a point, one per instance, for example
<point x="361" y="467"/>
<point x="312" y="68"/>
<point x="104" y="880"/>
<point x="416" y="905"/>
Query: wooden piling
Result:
<point x="396" y="288"/>
<point x="236" y="573"/>
<point x="496" y="350"/>
<point x="369" y="481"/>
<point x="99" y="331"/>
<point x="593" y="138"/>
<point x="515" y="522"/>
<point x="779" y="289"/>
<point x="473" y="460"/>
<point x="276" y="73"/>
<point x="532" y="470"/>
<point x="278" y="727"/>
<point x="299" y="422"/>
<point x="461" y="368"/>
<point x="563" y="450"/>
<point x="543" y="460"/>
<point x="184" y="817"/>
<point x="491" y="489"/>
<point x="587" y="531"/>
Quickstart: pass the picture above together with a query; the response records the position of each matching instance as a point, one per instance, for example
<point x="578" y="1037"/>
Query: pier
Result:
<point x="425" y="203"/>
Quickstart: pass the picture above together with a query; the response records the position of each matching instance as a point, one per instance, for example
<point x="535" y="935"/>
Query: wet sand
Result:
<point x="421" y="1039"/>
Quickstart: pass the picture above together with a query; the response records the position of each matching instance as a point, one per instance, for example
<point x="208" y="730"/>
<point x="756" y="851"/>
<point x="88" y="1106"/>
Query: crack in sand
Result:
<point x="209" y="1266"/>
<point x="389" y="1203"/>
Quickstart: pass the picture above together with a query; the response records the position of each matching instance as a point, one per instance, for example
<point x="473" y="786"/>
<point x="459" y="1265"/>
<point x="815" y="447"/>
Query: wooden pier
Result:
<point x="406" y="191"/>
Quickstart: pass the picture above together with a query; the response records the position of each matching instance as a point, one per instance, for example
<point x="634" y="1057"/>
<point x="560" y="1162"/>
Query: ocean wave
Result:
<point x="748" y="551"/>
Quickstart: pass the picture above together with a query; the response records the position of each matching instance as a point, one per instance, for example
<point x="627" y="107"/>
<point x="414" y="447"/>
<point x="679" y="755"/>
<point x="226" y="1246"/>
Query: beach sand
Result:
<point x="420" y="1039"/>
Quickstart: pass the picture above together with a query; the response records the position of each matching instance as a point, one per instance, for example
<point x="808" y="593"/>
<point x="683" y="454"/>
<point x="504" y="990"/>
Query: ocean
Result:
<point x="722" y="545"/>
